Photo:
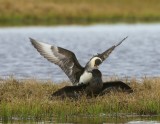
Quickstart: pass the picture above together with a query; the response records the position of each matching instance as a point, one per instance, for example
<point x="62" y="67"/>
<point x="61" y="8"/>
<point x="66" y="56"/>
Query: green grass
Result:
<point x="31" y="99"/>
<point x="53" y="12"/>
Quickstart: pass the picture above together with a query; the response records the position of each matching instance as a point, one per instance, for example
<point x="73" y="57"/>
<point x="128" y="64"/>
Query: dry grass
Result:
<point x="31" y="99"/>
<point x="49" y="12"/>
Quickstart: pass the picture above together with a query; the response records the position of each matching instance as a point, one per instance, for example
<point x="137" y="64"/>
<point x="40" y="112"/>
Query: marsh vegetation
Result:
<point x="31" y="99"/>
<point x="51" y="12"/>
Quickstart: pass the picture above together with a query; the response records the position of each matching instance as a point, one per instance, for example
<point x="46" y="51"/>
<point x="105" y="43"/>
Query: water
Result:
<point x="138" y="56"/>
<point x="89" y="120"/>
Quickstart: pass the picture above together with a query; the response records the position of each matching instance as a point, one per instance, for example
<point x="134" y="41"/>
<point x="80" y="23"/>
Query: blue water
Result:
<point x="138" y="56"/>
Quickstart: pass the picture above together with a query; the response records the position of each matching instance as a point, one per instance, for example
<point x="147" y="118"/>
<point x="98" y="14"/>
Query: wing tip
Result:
<point x="121" y="41"/>
<point x="33" y="41"/>
<point x="125" y="38"/>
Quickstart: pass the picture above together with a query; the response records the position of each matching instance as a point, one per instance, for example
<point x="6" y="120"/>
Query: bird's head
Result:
<point x="95" y="62"/>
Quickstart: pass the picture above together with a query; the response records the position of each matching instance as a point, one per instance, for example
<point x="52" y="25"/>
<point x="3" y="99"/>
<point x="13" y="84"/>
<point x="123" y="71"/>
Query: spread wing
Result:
<point x="70" y="90"/>
<point x="106" y="53"/>
<point x="116" y="85"/>
<point x="65" y="59"/>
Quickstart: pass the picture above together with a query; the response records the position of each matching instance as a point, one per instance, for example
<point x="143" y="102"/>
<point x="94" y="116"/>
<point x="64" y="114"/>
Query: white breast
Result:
<point x="85" y="77"/>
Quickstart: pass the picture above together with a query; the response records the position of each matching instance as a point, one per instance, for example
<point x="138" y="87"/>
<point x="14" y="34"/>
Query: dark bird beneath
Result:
<point x="76" y="91"/>
<point x="94" y="88"/>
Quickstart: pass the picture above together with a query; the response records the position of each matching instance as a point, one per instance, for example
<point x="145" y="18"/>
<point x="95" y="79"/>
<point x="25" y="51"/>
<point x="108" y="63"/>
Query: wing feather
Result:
<point x="64" y="58"/>
<point x="106" y="53"/>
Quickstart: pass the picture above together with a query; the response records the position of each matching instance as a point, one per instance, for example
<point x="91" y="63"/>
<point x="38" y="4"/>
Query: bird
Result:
<point x="96" y="87"/>
<point x="92" y="88"/>
<point x="68" y="62"/>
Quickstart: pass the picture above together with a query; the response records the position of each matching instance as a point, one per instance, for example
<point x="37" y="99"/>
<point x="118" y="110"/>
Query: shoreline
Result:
<point x="45" y="24"/>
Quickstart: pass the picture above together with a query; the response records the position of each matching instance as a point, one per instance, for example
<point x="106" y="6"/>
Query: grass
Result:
<point x="30" y="99"/>
<point x="52" y="12"/>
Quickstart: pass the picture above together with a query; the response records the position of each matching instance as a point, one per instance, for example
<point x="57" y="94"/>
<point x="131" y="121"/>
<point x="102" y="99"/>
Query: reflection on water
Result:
<point x="91" y="120"/>
<point x="138" y="56"/>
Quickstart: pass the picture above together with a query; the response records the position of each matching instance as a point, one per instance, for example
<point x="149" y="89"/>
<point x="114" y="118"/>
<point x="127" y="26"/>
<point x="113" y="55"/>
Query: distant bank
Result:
<point x="53" y="12"/>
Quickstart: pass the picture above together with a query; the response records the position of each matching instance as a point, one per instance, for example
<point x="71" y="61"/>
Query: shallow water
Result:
<point x="89" y="120"/>
<point x="138" y="56"/>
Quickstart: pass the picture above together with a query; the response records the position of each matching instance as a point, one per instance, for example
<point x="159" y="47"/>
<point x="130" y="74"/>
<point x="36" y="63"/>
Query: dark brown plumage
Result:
<point x="94" y="88"/>
<point x="106" y="53"/>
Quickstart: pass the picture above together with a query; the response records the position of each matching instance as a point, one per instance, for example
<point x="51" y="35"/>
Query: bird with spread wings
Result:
<point x="66" y="59"/>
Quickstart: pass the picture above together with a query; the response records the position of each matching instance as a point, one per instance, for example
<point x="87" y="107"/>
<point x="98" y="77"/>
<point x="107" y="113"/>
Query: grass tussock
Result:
<point x="49" y="12"/>
<point x="30" y="99"/>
